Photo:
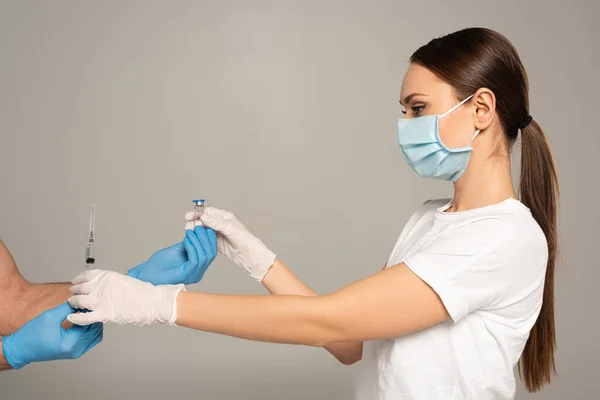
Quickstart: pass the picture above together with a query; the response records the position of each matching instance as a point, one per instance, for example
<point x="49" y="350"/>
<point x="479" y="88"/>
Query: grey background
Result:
<point x="284" y="113"/>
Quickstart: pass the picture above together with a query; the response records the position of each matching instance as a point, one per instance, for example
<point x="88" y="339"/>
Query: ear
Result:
<point x="484" y="101"/>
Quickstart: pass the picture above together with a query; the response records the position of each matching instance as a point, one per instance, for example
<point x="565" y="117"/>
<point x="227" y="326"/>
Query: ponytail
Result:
<point x="539" y="191"/>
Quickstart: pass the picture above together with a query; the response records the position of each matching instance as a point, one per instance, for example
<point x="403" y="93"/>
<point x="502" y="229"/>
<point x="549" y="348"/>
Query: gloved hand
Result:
<point x="44" y="339"/>
<point x="118" y="298"/>
<point x="184" y="262"/>
<point x="235" y="241"/>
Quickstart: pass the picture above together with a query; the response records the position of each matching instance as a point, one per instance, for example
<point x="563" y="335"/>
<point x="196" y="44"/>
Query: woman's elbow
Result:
<point x="349" y="359"/>
<point x="346" y="355"/>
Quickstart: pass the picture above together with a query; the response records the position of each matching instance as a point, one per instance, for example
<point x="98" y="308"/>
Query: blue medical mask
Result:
<point x="424" y="151"/>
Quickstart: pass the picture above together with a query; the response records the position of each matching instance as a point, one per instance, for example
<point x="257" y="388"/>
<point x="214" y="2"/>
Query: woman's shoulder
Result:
<point x="428" y="209"/>
<point x="433" y="205"/>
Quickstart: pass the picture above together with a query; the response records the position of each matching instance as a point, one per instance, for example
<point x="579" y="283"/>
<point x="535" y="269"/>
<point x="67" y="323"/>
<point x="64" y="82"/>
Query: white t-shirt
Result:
<point x="488" y="266"/>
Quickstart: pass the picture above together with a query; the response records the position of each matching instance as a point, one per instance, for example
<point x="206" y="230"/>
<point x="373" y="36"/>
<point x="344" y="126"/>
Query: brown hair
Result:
<point x="476" y="58"/>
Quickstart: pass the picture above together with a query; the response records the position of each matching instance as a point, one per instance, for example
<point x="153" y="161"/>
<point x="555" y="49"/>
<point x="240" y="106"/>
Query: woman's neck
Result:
<point x="490" y="184"/>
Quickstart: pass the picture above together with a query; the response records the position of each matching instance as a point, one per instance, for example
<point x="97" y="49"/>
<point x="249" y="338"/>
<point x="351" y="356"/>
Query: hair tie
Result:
<point x="525" y="123"/>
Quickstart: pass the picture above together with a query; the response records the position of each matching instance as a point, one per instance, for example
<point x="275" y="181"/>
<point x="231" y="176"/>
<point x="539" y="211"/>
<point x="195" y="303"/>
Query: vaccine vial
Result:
<point x="199" y="205"/>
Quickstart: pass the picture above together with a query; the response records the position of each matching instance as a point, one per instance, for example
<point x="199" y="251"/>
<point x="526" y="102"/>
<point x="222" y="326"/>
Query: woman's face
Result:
<point x="424" y="93"/>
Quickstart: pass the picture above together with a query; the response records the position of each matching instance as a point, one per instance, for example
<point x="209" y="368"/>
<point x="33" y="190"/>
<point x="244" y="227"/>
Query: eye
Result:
<point x="417" y="109"/>
<point x="404" y="112"/>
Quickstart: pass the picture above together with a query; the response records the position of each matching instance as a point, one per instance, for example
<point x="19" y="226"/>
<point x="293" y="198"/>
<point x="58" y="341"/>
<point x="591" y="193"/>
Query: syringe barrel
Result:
<point x="90" y="258"/>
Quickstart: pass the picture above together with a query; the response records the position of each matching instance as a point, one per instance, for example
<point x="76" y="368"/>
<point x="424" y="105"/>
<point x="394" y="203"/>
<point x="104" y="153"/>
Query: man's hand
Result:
<point x="184" y="262"/>
<point x="44" y="339"/>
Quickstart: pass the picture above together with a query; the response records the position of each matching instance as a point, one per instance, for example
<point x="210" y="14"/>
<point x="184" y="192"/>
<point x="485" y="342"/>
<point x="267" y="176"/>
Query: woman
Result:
<point x="468" y="289"/>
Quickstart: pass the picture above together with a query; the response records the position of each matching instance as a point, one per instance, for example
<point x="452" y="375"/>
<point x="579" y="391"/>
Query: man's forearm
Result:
<point x="4" y="365"/>
<point x="20" y="306"/>
<point x="21" y="301"/>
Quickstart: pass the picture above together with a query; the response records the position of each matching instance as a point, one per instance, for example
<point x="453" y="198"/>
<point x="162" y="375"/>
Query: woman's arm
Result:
<point x="248" y="252"/>
<point x="280" y="280"/>
<point x="389" y="303"/>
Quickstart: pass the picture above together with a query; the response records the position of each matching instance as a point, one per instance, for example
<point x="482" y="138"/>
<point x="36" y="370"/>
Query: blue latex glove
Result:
<point x="184" y="262"/>
<point x="44" y="339"/>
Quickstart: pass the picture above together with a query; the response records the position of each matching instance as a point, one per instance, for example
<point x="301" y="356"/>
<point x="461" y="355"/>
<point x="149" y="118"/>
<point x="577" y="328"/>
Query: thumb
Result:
<point x="214" y="221"/>
<point x="135" y="271"/>
<point x="61" y="312"/>
<point x="212" y="211"/>
<point x="87" y="276"/>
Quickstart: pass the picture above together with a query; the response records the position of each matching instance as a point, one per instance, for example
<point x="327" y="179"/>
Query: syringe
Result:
<point x="90" y="248"/>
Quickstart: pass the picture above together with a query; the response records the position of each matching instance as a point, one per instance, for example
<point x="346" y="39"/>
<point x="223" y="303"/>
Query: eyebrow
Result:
<point x="408" y="98"/>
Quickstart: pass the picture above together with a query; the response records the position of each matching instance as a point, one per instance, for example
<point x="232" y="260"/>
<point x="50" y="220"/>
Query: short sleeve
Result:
<point x="469" y="267"/>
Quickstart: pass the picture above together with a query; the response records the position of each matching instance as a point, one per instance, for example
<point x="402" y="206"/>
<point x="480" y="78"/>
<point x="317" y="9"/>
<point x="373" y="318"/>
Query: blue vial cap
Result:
<point x="198" y="201"/>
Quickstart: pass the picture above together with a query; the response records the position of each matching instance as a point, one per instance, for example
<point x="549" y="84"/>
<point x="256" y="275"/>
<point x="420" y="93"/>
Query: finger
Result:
<point x="94" y="329"/>
<point x="189" y="226"/>
<point x="191" y="236"/>
<point x="84" y="329"/>
<point x="97" y="339"/>
<point x="202" y="235"/>
<point x="99" y="326"/>
<point x="191" y="252"/>
<point x="193" y="215"/>
<point x="212" y="239"/>
<point x="83" y="301"/>
<point x="66" y="325"/>
<point x="84" y="318"/>
<point x="83" y="288"/>
<point x="87" y="276"/>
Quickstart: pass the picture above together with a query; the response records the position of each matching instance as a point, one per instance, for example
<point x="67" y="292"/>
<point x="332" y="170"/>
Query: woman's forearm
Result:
<point x="387" y="304"/>
<point x="282" y="281"/>
<point x="278" y="319"/>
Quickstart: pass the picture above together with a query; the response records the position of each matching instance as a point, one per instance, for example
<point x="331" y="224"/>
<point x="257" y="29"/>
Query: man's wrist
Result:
<point x="4" y="365"/>
<point x="13" y="304"/>
<point x="15" y="288"/>
<point x="28" y="302"/>
<point x="11" y="357"/>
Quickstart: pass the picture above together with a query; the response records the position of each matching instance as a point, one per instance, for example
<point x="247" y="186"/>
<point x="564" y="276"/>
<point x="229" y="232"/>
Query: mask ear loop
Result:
<point x="474" y="136"/>
<point x="455" y="107"/>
